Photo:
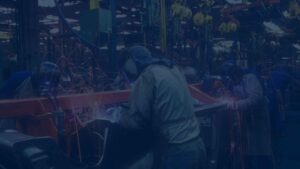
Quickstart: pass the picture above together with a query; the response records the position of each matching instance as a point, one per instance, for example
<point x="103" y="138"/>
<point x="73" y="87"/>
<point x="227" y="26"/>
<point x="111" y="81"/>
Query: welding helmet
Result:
<point x="135" y="59"/>
<point x="232" y="71"/>
<point x="48" y="77"/>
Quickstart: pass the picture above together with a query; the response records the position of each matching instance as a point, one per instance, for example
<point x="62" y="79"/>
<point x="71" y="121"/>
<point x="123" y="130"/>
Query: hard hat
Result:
<point x="141" y="55"/>
<point x="135" y="59"/>
<point x="48" y="76"/>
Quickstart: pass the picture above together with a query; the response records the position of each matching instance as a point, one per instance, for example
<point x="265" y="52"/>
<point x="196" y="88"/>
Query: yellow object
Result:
<point x="5" y="35"/>
<point x="94" y="4"/>
<point x="199" y="19"/>
<point x="232" y="26"/>
<point x="227" y="27"/>
<point x="208" y="18"/>
<point x="176" y="9"/>
<point x="186" y="13"/>
<point x="181" y="11"/>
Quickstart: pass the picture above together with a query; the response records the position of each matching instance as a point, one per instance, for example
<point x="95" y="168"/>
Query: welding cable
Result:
<point x="62" y="16"/>
<point x="56" y="46"/>
<point x="104" y="138"/>
<point x="81" y="39"/>
<point x="78" y="139"/>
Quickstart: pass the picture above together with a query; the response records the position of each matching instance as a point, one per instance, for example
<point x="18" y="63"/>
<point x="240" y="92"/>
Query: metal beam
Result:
<point x="163" y="26"/>
<point x="36" y="106"/>
<point x="31" y="107"/>
<point x="28" y="33"/>
<point x="113" y="40"/>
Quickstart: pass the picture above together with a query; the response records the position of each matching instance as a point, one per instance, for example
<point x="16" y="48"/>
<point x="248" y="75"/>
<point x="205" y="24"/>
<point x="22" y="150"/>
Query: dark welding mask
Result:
<point x="136" y="59"/>
<point x="232" y="72"/>
<point x="130" y="69"/>
<point x="48" y="78"/>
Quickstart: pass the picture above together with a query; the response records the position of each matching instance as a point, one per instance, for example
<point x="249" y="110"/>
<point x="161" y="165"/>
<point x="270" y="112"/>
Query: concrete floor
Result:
<point x="287" y="149"/>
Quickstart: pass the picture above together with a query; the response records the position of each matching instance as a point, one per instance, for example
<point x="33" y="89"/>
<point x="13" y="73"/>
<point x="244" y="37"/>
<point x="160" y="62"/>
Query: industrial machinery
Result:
<point x="21" y="151"/>
<point x="90" y="141"/>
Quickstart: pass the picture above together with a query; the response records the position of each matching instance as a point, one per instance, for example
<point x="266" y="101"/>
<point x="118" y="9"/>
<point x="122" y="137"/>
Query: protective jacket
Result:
<point x="160" y="100"/>
<point x="253" y="107"/>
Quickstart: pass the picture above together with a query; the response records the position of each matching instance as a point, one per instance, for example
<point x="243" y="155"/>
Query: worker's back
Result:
<point x="173" y="114"/>
<point x="161" y="105"/>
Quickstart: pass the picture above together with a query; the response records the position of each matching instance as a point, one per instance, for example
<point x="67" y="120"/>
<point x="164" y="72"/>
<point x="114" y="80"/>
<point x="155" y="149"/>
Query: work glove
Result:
<point x="112" y="114"/>
<point x="231" y="104"/>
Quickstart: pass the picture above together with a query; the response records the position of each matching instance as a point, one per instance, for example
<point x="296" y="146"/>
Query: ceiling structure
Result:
<point x="128" y="16"/>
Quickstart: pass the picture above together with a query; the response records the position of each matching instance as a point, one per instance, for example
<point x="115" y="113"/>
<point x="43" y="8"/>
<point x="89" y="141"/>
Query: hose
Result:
<point x="65" y="22"/>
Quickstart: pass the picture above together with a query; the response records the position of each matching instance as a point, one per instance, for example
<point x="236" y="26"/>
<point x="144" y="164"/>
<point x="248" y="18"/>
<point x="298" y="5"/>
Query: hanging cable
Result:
<point x="62" y="16"/>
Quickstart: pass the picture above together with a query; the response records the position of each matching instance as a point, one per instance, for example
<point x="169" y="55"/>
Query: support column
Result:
<point x="28" y="34"/>
<point x="113" y="39"/>
<point x="163" y="26"/>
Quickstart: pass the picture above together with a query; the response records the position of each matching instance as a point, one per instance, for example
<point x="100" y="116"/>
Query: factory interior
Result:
<point x="149" y="84"/>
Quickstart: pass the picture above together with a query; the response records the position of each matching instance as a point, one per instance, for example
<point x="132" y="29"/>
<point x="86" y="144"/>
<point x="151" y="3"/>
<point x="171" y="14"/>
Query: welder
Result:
<point x="26" y="84"/>
<point x="252" y="106"/>
<point x="161" y="104"/>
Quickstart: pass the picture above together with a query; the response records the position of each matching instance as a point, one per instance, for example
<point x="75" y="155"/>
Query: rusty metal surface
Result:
<point x="35" y="106"/>
<point x="210" y="108"/>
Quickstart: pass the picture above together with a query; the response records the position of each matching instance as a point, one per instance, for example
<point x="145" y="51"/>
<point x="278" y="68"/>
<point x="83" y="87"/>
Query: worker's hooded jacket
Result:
<point x="160" y="100"/>
<point x="253" y="108"/>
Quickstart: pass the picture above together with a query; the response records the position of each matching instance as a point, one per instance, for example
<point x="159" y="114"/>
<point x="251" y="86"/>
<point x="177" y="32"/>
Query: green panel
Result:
<point x="94" y="4"/>
<point x="105" y="21"/>
<point x="89" y="24"/>
<point x="94" y="21"/>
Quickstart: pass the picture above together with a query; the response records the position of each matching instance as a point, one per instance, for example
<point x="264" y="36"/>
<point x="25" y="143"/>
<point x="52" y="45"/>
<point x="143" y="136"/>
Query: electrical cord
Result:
<point x="62" y="16"/>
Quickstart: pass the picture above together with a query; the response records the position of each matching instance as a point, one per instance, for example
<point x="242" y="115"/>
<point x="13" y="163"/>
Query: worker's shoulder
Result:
<point x="154" y="70"/>
<point x="162" y="72"/>
<point x="157" y="68"/>
<point x="155" y="73"/>
<point x="148" y="74"/>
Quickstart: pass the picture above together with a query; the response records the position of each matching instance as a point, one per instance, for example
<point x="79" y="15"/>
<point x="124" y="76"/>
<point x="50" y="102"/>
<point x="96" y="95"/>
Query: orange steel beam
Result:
<point x="239" y="7"/>
<point x="201" y="96"/>
<point x="37" y="106"/>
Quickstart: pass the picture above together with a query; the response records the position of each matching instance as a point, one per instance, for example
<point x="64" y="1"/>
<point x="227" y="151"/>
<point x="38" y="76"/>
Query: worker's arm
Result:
<point x="139" y="114"/>
<point x="254" y="92"/>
